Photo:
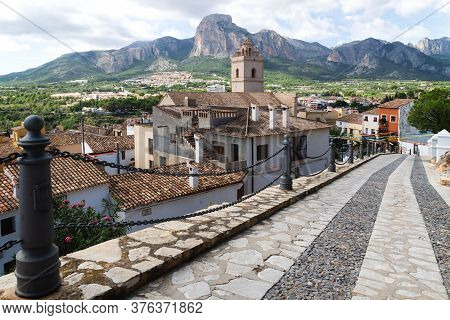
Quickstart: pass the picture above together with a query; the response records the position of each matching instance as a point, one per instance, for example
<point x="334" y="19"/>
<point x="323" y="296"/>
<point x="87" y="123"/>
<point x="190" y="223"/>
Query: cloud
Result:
<point x="9" y="44"/>
<point x="107" y="24"/>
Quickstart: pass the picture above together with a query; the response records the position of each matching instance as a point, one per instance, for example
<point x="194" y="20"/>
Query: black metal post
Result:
<point x="361" y="149"/>
<point x="332" y="166"/>
<point x="37" y="264"/>
<point x="368" y="148"/>
<point x="286" y="179"/>
<point x="350" y="151"/>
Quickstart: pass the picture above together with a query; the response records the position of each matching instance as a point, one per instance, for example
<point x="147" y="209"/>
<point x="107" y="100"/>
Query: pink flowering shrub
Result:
<point x="76" y="238"/>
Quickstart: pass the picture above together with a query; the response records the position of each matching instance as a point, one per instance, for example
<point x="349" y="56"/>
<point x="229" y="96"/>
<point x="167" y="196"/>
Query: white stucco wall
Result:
<point x="141" y="145"/>
<point x="370" y="124"/>
<point x="92" y="196"/>
<point x="112" y="157"/>
<point x="406" y="147"/>
<point x="183" y="205"/>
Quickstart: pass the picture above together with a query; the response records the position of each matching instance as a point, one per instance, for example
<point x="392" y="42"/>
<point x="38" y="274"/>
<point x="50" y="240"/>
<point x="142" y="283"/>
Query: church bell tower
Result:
<point x="247" y="69"/>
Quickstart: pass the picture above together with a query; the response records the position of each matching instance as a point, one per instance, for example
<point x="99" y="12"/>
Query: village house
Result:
<point x="351" y="124"/>
<point x="72" y="180"/>
<point x="145" y="196"/>
<point x="326" y="116"/>
<point x="370" y="122"/>
<point x="115" y="149"/>
<point x="393" y="116"/>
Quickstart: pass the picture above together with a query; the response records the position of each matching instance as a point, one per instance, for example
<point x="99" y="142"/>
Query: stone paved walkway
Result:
<point x="250" y="264"/>
<point x="361" y="237"/>
<point x="399" y="262"/>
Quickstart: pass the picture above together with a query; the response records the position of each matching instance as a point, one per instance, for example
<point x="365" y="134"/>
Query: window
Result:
<point x="219" y="150"/>
<point x="372" y="131"/>
<point x="237" y="73"/>
<point x="262" y="152"/>
<point x="150" y="164"/>
<point x="162" y="161"/>
<point x="122" y="153"/>
<point x="234" y="152"/>
<point x="150" y="146"/>
<point x="8" y="226"/>
<point x="253" y="73"/>
<point x="375" y="119"/>
<point x="383" y="117"/>
<point x="300" y="148"/>
<point x="351" y="131"/>
<point x="366" y="118"/>
<point x="393" y="119"/>
<point x="249" y="51"/>
<point x="367" y="130"/>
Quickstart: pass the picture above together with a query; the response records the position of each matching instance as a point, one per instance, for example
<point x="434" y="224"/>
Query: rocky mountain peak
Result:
<point x="218" y="36"/>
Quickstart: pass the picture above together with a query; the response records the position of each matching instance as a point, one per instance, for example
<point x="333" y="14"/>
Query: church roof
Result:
<point x="230" y="99"/>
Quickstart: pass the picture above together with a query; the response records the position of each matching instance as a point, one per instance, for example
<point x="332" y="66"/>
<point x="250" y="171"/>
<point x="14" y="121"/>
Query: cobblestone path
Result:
<point x="313" y="249"/>
<point x="400" y="261"/>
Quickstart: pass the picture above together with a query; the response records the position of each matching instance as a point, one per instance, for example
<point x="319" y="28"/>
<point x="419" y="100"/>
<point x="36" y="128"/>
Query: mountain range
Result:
<point x="217" y="38"/>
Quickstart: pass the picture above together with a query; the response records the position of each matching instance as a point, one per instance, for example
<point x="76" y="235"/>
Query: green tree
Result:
<point x="431" y="112"/>
<point x="340" y="103"/>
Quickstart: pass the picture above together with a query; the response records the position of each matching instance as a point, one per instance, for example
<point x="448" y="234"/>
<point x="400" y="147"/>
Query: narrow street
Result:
<point x="380" y="232"/>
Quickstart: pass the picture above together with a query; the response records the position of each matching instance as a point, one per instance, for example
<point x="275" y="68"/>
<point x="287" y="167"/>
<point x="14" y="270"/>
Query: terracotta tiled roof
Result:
<point x="102" y="144"/>
<point x="134" y="190"/>
<point x="7" y="200"/>
<point x="7" y="147"/>
<point x="355" y="118"/>
<point x="238" y="126"/>
<point x="98" y="143"/>
<point x="231" y="99"/>
<point x="65" y="138"/>
<point x="395" y="104"/>
<point x="68" y="175"/>
<point x="373" y="111"/>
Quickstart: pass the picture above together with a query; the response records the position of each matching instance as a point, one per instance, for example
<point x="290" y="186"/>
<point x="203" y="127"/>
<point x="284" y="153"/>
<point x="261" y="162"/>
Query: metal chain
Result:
<point x="316" y="173"/>
<point x="342" y="163"/>
<point x="320" y="155"/>
<point x="64" y="154"/>
<point x="9" y="245"/>
<point x="10" y="157"/>
<point x="154" y="221"/>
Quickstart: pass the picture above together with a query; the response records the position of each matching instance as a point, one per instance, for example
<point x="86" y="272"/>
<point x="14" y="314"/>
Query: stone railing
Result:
<point x="116" y="267"/>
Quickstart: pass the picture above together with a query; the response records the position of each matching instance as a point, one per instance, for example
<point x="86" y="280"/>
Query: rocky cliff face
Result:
<point x="372" y="56"/>
<point x="122" y="59"/>
<point x="433" y="46"/>
<point x="218" y="36"/>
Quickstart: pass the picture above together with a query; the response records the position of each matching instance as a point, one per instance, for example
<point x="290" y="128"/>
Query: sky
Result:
<point x="38" y="31"/>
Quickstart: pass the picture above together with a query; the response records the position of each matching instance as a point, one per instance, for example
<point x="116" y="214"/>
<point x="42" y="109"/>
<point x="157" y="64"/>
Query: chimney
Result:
<point x="198" y="148"/>
<point x="193" y="180"/>
<point x="272" y="117"/>
<point x="285" y="113"/>
<point x="255" y="112"/>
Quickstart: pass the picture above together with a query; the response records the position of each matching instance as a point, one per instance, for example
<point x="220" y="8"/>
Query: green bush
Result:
<point x="74" y="239"/>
